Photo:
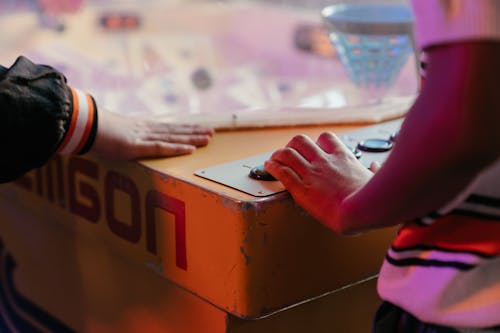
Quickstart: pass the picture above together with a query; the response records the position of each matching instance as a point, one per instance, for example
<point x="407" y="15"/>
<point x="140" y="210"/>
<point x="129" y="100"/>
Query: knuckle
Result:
<point x="299" y="139"/>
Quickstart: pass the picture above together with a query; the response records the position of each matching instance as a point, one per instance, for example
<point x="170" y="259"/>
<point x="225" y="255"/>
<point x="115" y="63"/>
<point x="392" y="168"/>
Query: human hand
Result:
<point x="319" y="175"/>
<point x="126" y="138"/>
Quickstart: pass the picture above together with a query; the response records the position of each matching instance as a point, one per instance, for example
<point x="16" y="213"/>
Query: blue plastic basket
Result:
<point x="373" y="41"/>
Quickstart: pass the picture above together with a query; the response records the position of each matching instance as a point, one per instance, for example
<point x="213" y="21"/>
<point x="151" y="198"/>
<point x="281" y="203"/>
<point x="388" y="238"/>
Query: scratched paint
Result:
<point x="246" y="256"/>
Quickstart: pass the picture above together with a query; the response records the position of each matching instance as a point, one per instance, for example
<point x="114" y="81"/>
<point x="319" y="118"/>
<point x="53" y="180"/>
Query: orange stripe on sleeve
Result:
<point x="88" y="126"/>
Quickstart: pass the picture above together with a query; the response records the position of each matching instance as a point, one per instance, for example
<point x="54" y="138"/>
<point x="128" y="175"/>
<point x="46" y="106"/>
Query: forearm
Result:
<point x="449" y="135"/>
<point x="82" y="126"/>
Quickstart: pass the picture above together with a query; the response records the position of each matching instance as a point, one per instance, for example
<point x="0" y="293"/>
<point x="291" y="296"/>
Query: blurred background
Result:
<point x="227" y="64"/>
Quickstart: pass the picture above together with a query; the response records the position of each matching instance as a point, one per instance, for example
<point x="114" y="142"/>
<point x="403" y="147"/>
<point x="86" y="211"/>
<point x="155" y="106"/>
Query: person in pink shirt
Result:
<point x="441" y="182"/>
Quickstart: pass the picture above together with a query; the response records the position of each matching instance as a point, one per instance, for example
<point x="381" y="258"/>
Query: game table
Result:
<point x="164" y="245"/>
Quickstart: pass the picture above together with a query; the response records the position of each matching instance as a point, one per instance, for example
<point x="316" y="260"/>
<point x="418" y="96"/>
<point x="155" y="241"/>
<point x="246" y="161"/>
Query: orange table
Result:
<point x="98" y="246"/>
<point x="114" y="247"/>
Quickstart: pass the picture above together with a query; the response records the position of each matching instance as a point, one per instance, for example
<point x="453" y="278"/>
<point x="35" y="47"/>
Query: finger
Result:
<point x="330" y="143"/>
<point x="284" y="174"/>
<point x="191" y="139"/>
<point x="374" y="166"/>
<point x="179" y="128"/>
<point x="291" y="159"/>
<point x="305" y="147"/>
<point x="158" y="148"/>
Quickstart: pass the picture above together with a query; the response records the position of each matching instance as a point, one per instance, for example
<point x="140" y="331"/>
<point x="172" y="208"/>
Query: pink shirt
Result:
<point x="447" y="21"/>
<point x="445" y="268"/>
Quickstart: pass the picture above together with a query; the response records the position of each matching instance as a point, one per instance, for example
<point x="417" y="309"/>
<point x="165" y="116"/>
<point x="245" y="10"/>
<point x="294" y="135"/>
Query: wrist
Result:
<point x="81" y="131"/>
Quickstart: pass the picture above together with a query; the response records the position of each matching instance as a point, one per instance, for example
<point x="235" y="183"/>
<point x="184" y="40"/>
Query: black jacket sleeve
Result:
<point x="35" y="110"/>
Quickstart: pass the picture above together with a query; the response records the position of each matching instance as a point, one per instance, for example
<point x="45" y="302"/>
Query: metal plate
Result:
<point x="236" y="175"/>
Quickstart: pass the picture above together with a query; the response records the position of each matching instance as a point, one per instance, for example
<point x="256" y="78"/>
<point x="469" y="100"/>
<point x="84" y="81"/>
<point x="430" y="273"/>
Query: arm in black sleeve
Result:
<point x="36" y="111"/>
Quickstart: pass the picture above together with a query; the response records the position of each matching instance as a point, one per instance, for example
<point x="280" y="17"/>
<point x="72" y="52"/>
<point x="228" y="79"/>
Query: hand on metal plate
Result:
<point x="319" y="175"/>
